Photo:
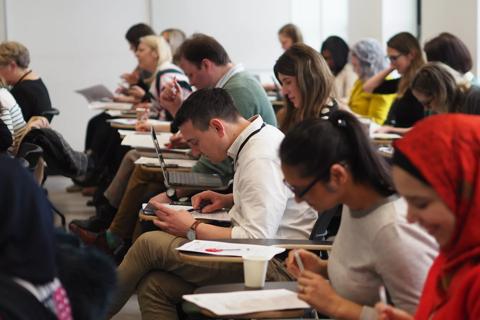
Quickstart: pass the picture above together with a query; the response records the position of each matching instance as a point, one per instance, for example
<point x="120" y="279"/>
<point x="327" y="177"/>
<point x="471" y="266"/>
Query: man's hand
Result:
<point x="216" y="201"/>
<point x="175" y="222"/>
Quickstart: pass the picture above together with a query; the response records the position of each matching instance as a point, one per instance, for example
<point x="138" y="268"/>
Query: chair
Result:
<point x="49" y="114"/>
<point x="32" y="156"/>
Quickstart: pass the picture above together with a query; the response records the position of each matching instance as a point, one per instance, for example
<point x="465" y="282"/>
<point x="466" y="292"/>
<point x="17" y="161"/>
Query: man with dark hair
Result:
<point x="137" y="31"/>
<point x="262" y="207"/>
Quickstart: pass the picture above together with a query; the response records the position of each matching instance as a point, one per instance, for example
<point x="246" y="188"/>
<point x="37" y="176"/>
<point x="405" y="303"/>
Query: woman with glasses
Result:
<point x="406" y="57"/>
<point x="443" y="90"/>
<point x="442" y="193"/>
<point x="331" y="162"/>
<point x="307" y="85"/>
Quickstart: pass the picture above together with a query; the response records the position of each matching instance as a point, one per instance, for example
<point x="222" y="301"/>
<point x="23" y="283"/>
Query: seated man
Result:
<point x="207" y="65"/>
<point x="263" y="207"/>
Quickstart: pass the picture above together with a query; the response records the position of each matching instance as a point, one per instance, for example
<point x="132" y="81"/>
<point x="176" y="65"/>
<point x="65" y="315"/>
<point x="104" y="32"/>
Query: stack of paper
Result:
<point x="171" y="163"/>
<point x="145" y="140"/>
<point x="230" y="249"/>
<point x="242" y="302"/>
<point x="109" y="105"/>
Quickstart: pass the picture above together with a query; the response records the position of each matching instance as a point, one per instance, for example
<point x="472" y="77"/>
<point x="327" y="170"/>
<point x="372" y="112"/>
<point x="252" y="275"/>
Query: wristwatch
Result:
<point x="192" y="232"/>
<point x="172" y="194"/>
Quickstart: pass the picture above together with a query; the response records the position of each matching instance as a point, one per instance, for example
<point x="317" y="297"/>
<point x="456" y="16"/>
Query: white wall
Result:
<point x="3" y="31"/>
<point x="247" y="28"/>
<point x="74" y="44"/>
<point x="459" y="17"/>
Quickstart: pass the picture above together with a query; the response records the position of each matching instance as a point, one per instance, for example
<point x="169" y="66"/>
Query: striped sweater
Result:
<point x="11" y="114"/>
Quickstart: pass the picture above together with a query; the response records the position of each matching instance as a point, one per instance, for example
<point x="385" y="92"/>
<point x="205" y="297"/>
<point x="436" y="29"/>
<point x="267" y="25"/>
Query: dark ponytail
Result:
<point x="314" y="145"/>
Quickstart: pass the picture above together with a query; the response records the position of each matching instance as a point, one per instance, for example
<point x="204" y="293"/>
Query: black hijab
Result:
<point x="26" y="226"/>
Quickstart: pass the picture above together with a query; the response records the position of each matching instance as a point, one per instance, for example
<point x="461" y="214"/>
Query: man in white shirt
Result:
<point x="262" y="207"/>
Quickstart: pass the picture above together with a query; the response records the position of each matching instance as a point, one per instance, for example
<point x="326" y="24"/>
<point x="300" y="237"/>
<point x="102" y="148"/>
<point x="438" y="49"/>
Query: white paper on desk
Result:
<point x="96" y="93"/>
<point x="126" y="132"/>
<point x="182" y="163"/>
<point x="240" y="302"/>
<point x="114" y="113"/>
<point x="230" y="249"/>
<point x="220" y="215"/>
<point x="145" y="141"/>
<point x="110" y="105"/>
<point x="133" y="122"/>
<point x="385" y="136"/>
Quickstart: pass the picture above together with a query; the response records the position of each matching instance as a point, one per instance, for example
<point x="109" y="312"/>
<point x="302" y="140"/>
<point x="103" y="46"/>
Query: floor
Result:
<point x="73" y="205"/>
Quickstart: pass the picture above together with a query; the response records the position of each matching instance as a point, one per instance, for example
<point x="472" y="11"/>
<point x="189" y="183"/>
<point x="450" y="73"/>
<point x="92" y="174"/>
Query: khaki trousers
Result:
<point x="153" y="267"/>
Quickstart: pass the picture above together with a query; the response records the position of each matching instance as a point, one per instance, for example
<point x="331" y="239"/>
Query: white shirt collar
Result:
<point x="255" y="123"/>
<point x="229" y="74"/>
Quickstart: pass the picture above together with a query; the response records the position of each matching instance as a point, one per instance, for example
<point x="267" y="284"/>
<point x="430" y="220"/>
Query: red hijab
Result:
<point x="446" y="151"/>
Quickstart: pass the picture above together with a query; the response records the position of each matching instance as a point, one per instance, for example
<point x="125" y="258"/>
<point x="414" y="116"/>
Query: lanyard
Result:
<point x="246" y="140"/>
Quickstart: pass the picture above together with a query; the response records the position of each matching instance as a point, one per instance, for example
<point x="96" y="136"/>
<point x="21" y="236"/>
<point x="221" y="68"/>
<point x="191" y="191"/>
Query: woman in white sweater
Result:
<point x="331" y="162"/>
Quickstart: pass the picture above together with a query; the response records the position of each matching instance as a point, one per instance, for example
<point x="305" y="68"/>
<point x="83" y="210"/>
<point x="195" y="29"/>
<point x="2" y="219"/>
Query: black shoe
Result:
<point x="92" y="224"/>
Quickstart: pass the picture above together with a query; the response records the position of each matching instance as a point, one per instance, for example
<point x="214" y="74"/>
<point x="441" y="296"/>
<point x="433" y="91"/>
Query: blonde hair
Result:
<point x="12" y="51"/>
<point x="160" y="45"/>
<point x="441" y="82"/>
<point x="315" y="81"/>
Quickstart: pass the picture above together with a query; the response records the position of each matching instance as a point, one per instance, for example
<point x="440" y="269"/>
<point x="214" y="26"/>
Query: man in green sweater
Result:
<point x="207" y="65"/>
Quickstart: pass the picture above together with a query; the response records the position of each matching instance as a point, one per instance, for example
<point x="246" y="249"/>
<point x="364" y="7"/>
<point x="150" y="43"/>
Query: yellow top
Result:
<point x="372" y="105"/>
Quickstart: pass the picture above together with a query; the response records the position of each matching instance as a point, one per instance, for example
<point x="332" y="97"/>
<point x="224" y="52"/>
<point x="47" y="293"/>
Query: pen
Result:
<point x="298" y="260"/>
<point x="383" y="294"/>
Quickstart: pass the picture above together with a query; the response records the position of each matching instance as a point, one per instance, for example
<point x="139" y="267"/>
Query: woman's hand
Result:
<point x="136" y="92"/>
<point x="38" y="122"/>
<point x="386" y="312"/>
<point x="216" y="201"/>
<point x="310" y="261"/>
<point x="171" y="97"/>
<point x="131" y="78"/>
<point x="317" y="292"/>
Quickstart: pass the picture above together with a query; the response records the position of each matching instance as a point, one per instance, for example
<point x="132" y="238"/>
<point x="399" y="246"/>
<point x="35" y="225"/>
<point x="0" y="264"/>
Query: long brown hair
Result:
<point x="406" y="43"/>
<point x="314" y="79"/>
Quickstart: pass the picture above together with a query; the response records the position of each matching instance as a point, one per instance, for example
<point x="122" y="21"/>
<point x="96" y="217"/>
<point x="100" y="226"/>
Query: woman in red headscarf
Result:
<point x="437" y="170"/>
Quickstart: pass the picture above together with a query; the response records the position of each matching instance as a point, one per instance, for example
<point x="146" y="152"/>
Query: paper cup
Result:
<point x="255" y="271"/>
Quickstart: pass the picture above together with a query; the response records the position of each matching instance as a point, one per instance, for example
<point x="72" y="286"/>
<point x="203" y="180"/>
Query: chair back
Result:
<point x="50" y="113"/>
<point x="320" y="229"/>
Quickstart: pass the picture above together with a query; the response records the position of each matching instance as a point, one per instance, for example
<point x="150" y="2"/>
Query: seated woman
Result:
<point x="26" y="86"/>
<point x="442" y="193"/>
<point x="335" y="51"/>
<point x="443" y="90"/>
<point x="27" y="257"/>
<point x="308" y="91"/>
<point x="331" y="162"/>
<point x="154" y="55"/>
<point x="452" y="51"/>
<point x="406" y="57"/>
<point x="367" y="59"/>
<point x="288" y="35"/>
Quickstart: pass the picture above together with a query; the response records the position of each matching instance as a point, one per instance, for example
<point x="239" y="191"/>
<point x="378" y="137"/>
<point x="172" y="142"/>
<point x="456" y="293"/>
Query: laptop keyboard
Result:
<point x="194" y="179"/>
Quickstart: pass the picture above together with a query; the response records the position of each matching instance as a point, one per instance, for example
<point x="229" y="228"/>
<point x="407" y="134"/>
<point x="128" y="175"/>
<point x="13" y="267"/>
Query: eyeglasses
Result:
<point x="394" y="58"/>
<point x="300" y="194"/>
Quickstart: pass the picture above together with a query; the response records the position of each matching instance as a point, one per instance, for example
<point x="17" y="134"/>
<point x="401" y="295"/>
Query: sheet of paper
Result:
<point x="240" y="302"/>
<point x="183" y="163"/>
<point x="385" y="136"/>
<point x="230" y="249"/>
<point x="96" y="93"/>
<point x="101" y="105"/>
<point x="145" y="141"/>
<point x="133" y="121"/>
<point x="217" y="216"/>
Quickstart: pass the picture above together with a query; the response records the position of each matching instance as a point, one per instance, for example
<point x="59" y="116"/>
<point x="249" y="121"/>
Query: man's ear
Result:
<point x="206" y="64"/>
<point x="218" y="126"/>
<point x="338" y="177"/>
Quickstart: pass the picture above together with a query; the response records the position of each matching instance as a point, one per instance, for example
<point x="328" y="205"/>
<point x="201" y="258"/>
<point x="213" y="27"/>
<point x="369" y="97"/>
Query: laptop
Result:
<point x="193" y="180"/>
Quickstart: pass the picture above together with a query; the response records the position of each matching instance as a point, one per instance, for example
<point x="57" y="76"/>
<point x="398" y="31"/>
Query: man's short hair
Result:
<point x="200" y="46"/>
<point x="204" y="105"/>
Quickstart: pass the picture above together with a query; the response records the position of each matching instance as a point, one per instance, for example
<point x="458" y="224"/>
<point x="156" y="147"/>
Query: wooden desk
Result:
<point x="276" y="314"/>
<point x="281" y="243"/>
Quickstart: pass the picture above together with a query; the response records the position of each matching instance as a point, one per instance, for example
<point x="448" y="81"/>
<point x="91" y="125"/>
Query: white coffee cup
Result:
<point x="255" y="271"/>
